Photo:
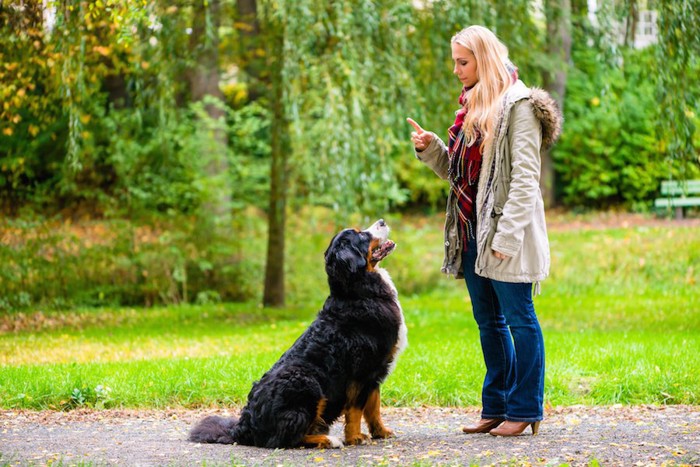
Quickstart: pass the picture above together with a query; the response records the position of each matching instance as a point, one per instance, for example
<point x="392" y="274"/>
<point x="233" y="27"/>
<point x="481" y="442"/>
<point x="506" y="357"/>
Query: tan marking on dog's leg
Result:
<point x="319" y="425"/>
<point x="374" y="418"/>
<point x="353" y="421"/>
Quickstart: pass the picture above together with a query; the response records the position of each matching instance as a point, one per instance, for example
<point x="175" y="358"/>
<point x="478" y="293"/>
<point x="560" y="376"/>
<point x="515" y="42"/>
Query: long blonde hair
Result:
<point x="484" y="100"/>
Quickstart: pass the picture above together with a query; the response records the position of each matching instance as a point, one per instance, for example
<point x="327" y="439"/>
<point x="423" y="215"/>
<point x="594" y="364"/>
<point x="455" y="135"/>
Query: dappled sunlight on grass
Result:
<point x="98" y="348"/>
<point x="172" y="332"/>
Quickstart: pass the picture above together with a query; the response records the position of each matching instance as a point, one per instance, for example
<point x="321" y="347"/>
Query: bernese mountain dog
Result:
<point x="336" y="366"/>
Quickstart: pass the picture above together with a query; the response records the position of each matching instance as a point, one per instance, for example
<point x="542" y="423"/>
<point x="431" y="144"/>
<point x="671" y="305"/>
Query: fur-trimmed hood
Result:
<point x="547" y="111"/>
<point x="544" y="106"/>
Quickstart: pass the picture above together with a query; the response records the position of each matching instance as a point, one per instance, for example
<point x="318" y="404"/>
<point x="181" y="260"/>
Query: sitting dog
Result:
<point x="336" y="366"/>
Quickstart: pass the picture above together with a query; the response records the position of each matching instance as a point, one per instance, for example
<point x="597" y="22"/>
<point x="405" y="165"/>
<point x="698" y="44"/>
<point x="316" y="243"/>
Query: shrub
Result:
<point x="608" y="153"/>
<point x="54" y="264"/>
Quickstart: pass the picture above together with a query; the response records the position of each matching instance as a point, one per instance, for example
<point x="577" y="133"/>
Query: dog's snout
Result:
<point x="381" y="223"/>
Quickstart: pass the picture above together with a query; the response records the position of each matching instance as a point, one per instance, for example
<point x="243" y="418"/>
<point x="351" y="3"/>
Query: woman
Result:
<point x="495" y="233"/>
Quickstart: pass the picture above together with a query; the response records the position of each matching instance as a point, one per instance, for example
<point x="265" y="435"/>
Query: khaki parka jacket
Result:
<point x="509" y="205"/>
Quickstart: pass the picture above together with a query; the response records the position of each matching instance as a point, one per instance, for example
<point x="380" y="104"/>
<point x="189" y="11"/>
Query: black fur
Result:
<point x="335" y="365"/>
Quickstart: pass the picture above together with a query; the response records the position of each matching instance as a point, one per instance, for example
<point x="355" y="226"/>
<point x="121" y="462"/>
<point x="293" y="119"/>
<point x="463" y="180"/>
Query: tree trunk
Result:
<point x="631" y="23"/>
<point x="249" y="42"/>
<point x="558" y="14"/>
<point x="204" y="81"/>
<point x="274" y="294"/>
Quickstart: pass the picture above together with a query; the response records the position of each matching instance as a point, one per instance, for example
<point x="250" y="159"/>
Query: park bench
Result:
<point x="678" y="195"/>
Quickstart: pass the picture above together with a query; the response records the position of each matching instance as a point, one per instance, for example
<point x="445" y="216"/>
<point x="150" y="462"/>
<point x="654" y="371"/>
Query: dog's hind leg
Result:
<point x="374" y="418"/>
<point x="317" y="436"/>
<point x="319" y="426"/>
<point x="290" y="428"/>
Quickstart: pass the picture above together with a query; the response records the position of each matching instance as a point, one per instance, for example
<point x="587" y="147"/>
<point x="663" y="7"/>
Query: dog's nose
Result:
<point x="381" y="222"/>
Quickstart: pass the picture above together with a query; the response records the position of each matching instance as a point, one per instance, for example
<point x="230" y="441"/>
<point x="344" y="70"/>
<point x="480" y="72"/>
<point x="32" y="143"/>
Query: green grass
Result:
<point x="620" y="315"/>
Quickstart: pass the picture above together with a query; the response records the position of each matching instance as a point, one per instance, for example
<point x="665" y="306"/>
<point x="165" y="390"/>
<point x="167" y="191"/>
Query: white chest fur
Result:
<point x="402" y="342"/>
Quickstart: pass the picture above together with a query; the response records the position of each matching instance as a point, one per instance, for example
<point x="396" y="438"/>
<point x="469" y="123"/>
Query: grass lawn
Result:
<point x="620" y="315"/>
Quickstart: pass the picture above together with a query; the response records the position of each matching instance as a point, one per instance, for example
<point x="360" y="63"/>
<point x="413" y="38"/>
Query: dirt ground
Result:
<point x="611" y="436"/>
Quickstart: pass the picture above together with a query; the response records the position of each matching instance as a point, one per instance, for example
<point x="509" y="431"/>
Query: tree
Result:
<point x="204" y="80"/>
<point x="274" y="290"/>
<point x="338" y="111"/>
<point x="678" y="51"/>
<point x="558" y="13"/>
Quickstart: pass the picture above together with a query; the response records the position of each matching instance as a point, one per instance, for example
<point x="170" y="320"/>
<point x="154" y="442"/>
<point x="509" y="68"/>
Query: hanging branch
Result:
<point x="679" y="28"/>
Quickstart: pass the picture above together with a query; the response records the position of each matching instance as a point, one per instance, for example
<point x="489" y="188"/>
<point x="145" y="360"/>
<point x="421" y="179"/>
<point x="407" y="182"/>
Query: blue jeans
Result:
<point x="512" y="344"/>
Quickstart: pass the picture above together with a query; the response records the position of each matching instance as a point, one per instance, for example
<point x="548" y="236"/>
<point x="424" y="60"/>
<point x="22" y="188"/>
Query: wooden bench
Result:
<point x="677" y="195"/>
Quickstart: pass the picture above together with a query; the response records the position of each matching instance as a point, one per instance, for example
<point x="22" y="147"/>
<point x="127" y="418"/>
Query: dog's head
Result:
<point x="354" y="251"/>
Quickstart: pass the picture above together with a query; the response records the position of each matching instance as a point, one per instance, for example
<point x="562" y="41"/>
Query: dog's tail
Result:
<point x="214" y="429"/>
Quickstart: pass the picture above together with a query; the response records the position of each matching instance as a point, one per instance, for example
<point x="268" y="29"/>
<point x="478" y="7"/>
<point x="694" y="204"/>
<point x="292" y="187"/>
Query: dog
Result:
<point x="336" y="366"/>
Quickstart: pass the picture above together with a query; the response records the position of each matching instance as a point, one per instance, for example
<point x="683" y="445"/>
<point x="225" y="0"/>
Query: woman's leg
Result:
<point x="526" y="396"/>
<point x="496" y="343"/>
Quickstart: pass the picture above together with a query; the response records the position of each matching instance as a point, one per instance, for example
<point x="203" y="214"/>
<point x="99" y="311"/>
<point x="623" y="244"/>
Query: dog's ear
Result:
<point x="351" y="259"/>
<point x="344" y="256"/>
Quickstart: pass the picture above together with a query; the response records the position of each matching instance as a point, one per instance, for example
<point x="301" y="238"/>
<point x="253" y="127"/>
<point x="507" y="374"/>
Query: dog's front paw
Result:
<point x="382" y="433"/>
<point x="354" y="440"/>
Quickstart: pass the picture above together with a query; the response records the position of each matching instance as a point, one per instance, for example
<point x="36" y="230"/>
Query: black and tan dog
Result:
<point x="336" y="366"/>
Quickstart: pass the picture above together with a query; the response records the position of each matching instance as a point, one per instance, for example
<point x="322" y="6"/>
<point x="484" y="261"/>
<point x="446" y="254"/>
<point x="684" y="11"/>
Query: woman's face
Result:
<point x="465" y="65"/>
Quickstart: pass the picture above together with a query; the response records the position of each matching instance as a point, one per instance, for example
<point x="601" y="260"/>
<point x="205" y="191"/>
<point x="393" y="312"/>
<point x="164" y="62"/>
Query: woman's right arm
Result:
<point x="430" y="149"/>
<point x="435" y="157"/>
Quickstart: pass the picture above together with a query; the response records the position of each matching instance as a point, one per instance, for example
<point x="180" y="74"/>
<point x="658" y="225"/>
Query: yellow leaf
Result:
<point x="104" y="51"/>
<point x="7" y="131"/>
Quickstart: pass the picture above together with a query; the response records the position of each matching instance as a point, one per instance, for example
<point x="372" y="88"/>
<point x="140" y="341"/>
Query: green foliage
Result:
<point x="345" y="105"/>
<point x="677" y="58"/>
<point x="31" y="139"/>
<point x="608" y="153"/>
<point x="98" y="398"/>
<point x="162" y="261"/>
<point x="97" y="118"/>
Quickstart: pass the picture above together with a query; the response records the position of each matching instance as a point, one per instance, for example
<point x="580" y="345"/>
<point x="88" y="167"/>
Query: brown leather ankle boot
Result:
<point x="515" y="428"/>
<point x="483" y="426"/>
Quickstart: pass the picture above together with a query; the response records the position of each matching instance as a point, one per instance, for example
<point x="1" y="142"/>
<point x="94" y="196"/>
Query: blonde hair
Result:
<point x="494" y="79"/>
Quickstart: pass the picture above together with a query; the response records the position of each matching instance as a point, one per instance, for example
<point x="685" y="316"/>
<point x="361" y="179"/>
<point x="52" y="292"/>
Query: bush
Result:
<point x="54" y="264"/>
<point x="608" y="153"/>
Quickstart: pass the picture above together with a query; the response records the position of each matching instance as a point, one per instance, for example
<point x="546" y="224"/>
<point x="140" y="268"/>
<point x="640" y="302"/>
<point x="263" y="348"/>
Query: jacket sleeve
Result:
<point x="435" y="157"/>
<point x="525" y="139"/>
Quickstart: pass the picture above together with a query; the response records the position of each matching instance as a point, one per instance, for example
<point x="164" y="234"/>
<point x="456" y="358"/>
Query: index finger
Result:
<point x="416" y="126"/>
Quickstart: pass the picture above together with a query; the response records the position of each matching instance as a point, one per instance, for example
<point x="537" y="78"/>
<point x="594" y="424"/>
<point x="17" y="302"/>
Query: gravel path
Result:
<point x="612" y="436"/>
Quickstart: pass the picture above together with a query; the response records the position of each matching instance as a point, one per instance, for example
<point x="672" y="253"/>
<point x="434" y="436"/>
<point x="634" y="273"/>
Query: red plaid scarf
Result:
<point x="465" y="165"/>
